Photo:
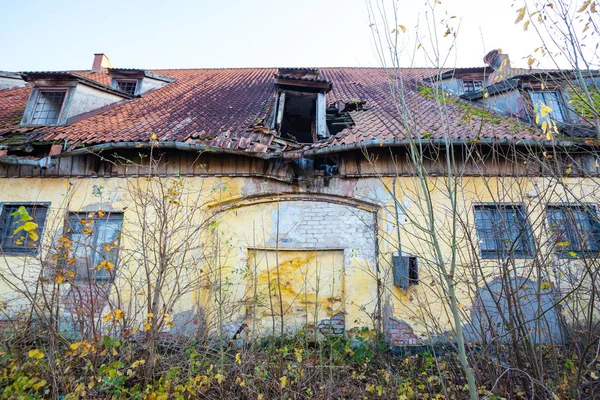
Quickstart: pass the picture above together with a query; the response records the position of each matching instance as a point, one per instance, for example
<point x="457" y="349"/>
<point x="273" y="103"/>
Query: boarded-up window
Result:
<point x="405" y="271"/>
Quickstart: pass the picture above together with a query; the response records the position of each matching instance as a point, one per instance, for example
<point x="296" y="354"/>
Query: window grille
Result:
<point x="574" y="229"/>
<point x="502" y="231"/>
<point x="472" y="86"/>
<point x="48" y="107"/>
<point x="21" y="242"/>
<point x="127" y="86"/>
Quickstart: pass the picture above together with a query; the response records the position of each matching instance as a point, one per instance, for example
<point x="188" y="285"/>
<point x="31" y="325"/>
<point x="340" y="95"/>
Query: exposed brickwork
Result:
<point x="399" y="333"/>
<point x="336" y="326"/>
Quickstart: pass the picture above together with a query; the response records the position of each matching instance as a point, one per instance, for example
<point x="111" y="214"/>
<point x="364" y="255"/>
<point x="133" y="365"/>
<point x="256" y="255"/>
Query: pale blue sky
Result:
<point x="64" y="34"/>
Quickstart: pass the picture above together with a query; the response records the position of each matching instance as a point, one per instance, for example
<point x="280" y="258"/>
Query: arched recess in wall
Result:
<point x="319" y="252"/>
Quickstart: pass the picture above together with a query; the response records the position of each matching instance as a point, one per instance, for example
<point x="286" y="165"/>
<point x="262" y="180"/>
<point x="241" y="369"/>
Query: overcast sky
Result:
<point x="63" y="34"/>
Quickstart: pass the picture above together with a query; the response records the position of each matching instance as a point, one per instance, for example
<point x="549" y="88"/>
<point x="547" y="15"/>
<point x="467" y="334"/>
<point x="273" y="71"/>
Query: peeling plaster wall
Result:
<point x="340" y="216"/>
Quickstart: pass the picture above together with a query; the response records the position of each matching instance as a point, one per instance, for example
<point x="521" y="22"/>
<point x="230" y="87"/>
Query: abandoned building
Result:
<point x="295" y="184"/>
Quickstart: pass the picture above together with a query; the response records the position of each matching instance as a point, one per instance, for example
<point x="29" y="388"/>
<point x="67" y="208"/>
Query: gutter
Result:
<point x="406" y="142"/>
<point x="42" y="163"/>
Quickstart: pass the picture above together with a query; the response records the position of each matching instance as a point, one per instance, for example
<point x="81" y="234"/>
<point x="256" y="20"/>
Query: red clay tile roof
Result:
<point x="219" y="107"/>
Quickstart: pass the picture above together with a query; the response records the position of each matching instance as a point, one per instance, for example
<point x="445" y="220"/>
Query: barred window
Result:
<point x="48" y="106"/>
<point x="127" y="86"/>
<point x="14" y="216"/>
<point x="503" y="231"/>
<point x="96" y="239"/>
<point x="574" y="229"/>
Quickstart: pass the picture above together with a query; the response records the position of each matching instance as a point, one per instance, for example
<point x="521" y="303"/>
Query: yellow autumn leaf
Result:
<point x="118" y="314"/>
<point x="107" y="265"/>
<point x="75" y="346"/>
<point x="59" y="279"/>
<point x="520" y="15"/>
<point x="220" y="378"/>
<point x="153" y="137"/>
<point x="101" y="214"/>
<point x="584" y="6"/>
<point x="530" y="61"/>
<point x="29" y="226"/>
<point x="147" y="326"/>
<point x="39" y="385"/>
<point x="402" y="28"/>
<point x="238" y="358"/>
<point x="563" y="244"/>
<point x="33" y="236"/>
<point x="283" y="381"/>
<point x="107" y="317"/>
<point x="545" y="285"/>
<point x="544" y="110"/>
<point x="35" y="354"/>
<point x="86" y="231"/>
<point x="526" y="25"/>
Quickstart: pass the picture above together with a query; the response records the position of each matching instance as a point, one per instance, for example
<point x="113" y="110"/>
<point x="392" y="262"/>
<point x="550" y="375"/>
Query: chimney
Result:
<point x="101" y="62"/>
<point x="497" y="60"/>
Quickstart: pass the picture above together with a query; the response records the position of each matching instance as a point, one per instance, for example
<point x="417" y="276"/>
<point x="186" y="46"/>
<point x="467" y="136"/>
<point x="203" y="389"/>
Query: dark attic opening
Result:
<point x="300" y="112"/>
<point x="299" y="117"/>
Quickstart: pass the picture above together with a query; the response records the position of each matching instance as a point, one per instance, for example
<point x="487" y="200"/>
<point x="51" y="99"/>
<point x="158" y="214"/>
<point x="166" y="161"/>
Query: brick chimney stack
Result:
<point x="101" y="62"/>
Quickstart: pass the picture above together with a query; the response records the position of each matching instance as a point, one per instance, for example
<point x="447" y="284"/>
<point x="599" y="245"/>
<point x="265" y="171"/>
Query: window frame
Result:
<point x="526" y="252"/>
<point x="41" y="230"/>
<point x="93" y="275"/>
<point x="473" y="84"/>
<point x="36" y="98"/>
<point x="560" y="100"/>
<point x="589" y="209"/>
<point x="115" y="84"/>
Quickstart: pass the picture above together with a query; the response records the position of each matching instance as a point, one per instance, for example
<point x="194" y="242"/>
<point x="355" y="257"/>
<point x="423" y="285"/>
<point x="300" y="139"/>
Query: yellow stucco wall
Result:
<point x="229" y="216"/>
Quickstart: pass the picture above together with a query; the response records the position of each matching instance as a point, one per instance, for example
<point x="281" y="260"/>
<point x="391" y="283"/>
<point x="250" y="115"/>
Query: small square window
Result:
<point x="14" y="216"/>
<point x="503" y="231"/>
<point x="96" y="240"/>
<point x="551" y="99"/>
<point x="48" y="106"/>
<point x="127" y="86"/>
<point x="471" y="86"/>
<point x="405" y="271"/>
<point x="574" y="229"/>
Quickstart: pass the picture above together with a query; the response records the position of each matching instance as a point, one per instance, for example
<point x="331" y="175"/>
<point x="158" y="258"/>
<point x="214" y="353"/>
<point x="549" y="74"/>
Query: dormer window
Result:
<point x="300" y="112"/>
<point x="127" y="85"/>
<point x="48" y="107"/>
<point x="548" y="105"/>
<point x="58" y="98"/>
